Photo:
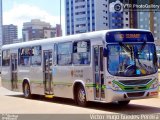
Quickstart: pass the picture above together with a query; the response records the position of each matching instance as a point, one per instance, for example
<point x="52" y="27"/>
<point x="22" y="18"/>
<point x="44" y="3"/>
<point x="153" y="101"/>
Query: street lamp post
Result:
<point x="60" y="12"/>
<point x="60" y="18"/>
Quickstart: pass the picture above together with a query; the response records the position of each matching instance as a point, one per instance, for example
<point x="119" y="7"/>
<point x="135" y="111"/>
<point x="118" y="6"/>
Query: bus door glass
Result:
<point x="99" y="73"/>
<point x="47" y="71"/>
<point x="14" y="80"/>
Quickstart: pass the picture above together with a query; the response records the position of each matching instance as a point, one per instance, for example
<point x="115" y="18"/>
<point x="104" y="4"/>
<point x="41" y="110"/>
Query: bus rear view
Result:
<point x="131" y="66"/>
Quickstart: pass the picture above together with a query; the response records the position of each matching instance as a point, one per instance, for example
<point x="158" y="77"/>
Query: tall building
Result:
<point x="9" y="34"/>
<point x="133" y="13"/>
<point x="80" y="16"/>
<point x="58" y="30"/>
<point x="37" y="29"/>
<point x="150" y="20"/>
<point x="90" y="15"/>
<point x="19" y="40"/>
<point x="118" y="18"/>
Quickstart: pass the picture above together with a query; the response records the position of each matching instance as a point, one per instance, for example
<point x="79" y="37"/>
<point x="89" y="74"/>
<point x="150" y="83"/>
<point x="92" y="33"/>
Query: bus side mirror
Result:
<point x="105" y="52"/>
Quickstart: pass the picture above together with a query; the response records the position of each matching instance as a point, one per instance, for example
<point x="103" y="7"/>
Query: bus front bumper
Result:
<point x="113" y="96"/>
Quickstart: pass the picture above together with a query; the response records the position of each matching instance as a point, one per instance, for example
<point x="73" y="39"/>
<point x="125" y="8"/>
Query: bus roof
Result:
<point x="89" y="35"/>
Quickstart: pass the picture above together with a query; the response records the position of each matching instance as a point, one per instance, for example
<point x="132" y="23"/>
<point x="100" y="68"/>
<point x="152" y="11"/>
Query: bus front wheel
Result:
<point x="123" y="102"/>
<point x="26" y="90"/>
<point x="81" y="96"/>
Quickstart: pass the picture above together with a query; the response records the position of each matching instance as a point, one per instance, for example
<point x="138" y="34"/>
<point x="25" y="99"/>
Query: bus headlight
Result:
<point x="116" y="87"/>
<point x="154" y="84"/>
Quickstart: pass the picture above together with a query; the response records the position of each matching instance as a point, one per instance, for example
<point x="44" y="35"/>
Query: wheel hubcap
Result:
<point x="81" y="96"/>
<point x="26" y="90"/>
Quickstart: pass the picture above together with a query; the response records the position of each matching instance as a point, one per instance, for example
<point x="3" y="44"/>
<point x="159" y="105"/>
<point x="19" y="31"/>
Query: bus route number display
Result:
<point x="129" y="36"/>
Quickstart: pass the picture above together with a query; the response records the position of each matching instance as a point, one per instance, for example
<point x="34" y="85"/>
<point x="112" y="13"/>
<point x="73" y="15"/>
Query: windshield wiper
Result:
<point x="142" y="47"/>
<point x="125" y="47"/>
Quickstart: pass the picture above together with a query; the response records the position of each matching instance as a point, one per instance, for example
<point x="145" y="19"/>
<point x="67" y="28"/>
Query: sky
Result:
<point x="19" y="11"/>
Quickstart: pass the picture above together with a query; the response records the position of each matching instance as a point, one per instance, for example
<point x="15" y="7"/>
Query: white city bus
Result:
<point x="103" y="66"/>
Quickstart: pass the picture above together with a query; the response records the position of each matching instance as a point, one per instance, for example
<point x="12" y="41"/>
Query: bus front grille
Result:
<point x="135" y="82"/>
<point x="136" y="94"/>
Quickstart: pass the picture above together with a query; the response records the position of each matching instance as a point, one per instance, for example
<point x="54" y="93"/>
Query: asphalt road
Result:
<point x="11" y="102"/>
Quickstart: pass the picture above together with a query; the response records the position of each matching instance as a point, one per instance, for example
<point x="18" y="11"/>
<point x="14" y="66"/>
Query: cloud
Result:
<point x="21" y="13"/>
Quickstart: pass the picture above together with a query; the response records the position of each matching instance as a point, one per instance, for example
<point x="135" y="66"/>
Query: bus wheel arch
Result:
<point x="79" y="94"/>
<point x="26" y="89"/>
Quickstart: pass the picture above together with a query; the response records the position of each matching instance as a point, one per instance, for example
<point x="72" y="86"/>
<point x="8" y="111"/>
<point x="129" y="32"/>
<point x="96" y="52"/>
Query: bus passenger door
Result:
<point x="47" y="72"/>
<point x="14" y="80"/>
<point x="99" y="88"/>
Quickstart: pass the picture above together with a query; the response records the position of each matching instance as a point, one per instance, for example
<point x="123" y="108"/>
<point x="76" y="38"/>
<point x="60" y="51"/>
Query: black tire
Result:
<point x="123" y="102"/>
<point x="27" y="91"/>
<point x="81" y="96"/>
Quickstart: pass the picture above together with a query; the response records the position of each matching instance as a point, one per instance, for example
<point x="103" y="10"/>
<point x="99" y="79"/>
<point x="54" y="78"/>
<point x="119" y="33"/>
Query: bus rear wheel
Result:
<point x="26" y="90"/>
<point x="123" y="102"/>
<point x="81" y="96"/>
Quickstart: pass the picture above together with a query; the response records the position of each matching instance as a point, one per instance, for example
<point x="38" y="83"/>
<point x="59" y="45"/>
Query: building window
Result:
<point x="81" y="53"/>
<point x="81" y="6"/>
<point x="81" y="19"/>
<point x="64" y="53"/>
<point x="81" y="31"/>
<point x="141" y="19"/>
<point x="68" y="33"/>
<point x="80" y="13"/>
<point x="80" y="25"/>
<point x="79" y="1"/>
<point x="141" y="26"/>
<point x="6" y="58"/>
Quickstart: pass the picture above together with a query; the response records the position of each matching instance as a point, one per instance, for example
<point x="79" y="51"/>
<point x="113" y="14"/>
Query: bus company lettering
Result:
<point x="78" y="73"/>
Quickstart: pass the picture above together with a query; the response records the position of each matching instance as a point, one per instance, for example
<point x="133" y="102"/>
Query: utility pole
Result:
<point x="151" y="18"/>
<point x="60" y="12"/>
<point x="60" y="17"/>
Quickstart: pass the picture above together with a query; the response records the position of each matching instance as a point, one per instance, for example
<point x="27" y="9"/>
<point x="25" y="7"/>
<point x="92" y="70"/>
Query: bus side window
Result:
<point x="81" y="53"/>
<point x="24" y="56"/>
<point x="36" y="57"/>
<point x="6" y="58"/>
<point x="64" y="53"/>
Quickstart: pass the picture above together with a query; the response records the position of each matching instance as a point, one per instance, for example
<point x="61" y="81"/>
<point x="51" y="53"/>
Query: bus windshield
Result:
<point x="132" y="59"/>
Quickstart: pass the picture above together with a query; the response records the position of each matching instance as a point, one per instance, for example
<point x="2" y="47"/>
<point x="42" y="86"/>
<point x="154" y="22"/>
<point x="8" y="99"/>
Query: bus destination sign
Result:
<point x="129" y="36"/>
